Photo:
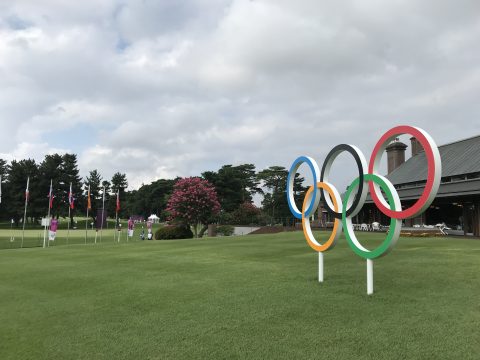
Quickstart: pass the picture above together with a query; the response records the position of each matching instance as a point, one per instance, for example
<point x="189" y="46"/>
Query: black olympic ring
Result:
<point x="361" y="194"/>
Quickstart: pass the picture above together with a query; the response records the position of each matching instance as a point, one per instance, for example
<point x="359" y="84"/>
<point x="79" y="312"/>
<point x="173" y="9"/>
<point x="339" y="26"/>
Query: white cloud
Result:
<point x="36" y="151"/>
<point x="175" y="88"/>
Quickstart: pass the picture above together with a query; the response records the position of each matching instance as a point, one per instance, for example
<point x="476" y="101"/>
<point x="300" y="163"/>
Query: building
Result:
<point x="458" y="200"/>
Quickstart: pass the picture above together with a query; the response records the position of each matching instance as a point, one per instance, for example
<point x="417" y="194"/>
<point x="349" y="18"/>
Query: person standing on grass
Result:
<point x="149" y="229"/>
<point x="53" y="229"/>
<point x="131" y="226"/>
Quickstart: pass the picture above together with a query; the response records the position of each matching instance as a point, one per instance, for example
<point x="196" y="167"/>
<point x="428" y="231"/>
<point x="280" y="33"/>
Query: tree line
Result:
<point x="236" y="187"/>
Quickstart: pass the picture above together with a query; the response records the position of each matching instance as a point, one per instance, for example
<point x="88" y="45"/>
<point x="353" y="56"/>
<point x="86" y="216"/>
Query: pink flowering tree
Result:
<point x="194" y="202"/>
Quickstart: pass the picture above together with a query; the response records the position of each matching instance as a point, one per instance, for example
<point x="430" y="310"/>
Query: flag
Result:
<point x="27" y="192"/>
<point x="70" y="198"/>
<point x="51" y="196"/>
<point x="118" y="201"/>
<point x="89" y="202"/>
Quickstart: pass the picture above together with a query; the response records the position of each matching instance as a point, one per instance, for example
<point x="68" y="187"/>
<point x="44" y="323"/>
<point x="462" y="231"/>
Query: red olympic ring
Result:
<point x="433" y="174"/>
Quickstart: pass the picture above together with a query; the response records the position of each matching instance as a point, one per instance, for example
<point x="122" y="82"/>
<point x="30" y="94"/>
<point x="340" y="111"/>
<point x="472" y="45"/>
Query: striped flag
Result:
<point x="71" y="200"/>
<point x="89" y="202"/>
<point x="118" y="201"/>
<point x="27" y="192"/>
<point x="51" y="196"/>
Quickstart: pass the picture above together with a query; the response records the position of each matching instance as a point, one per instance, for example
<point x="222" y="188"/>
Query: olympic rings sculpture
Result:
<point x="367" y="181"/>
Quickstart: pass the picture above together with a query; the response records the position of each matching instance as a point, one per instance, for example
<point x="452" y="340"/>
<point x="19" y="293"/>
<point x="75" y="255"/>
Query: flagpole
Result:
<point x="117" y="205"/>
<point x="103" y="214"/>
<point x="116" y="221"/>
<point x="68" y="228"/>
<point x="69" y="211"/>
<point x="48" y="215"/>
<point x="12" y="236"/>
<point x="88" y="208"/>
<point x="25" y="213"/>
<point x="50" y="204"/>
<point x="86" y="228"/>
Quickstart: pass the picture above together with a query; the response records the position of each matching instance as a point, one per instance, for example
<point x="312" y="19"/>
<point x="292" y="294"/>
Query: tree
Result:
<point x="106" y="193"/>
<point x="50" y="171"/>
<point x="157" y="197"/>
<point x="275" y="180"/>
<point x="69" y="174"/>
<point x="227" y="185"/>
<point x="106" y="184"/>
<point x="150" y="199"/>
<point x="249" y="180"/>
<point x="119" y="184"/>
<point x="234" y="185"/>
<point x="93" y="180"/>
<point x="18" y="173"/>
<point x="4" y="169"/>
<point x="246" y="214"/>
<point x="194" y="202"/>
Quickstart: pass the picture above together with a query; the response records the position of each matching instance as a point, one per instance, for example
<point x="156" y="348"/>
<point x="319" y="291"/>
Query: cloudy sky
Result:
<point x="166" y="88"/>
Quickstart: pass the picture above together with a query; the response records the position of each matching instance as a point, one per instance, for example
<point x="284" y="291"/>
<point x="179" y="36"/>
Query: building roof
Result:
<point x="458" y="158"/>
<point x="458" y="188"/>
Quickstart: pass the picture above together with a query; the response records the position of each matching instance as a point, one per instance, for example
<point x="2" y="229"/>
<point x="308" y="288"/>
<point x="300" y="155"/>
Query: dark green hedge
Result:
<point x="173" y="232"/>
<point x="225" y="230"/>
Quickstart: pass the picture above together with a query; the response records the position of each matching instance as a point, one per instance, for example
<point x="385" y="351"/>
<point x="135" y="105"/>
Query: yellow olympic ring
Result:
<point x="337" y="225"/>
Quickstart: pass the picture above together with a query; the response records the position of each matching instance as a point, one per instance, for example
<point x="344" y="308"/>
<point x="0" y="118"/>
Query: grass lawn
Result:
<point x="12" y="238"/>
<point x="250" y="297"/>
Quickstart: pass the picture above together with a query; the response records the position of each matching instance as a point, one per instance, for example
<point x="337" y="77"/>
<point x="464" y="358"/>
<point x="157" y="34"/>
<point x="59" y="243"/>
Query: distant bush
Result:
<point x="225" y="230"/>
<point x="173" y="232"/>
<point x="247" y="213"/>
<point x="225" y="218"/>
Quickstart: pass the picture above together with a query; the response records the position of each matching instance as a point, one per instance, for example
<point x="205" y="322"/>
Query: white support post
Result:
<point x="115" y="233"/>
<point x="320" y="267"/>
<point x="24" y="221"/>
<point x="369" y="277"/>
<point x="68" y="231"/>
<point x="50" y="194"/>
<point x="86" y="228"/>
<point x="103" y="215"/>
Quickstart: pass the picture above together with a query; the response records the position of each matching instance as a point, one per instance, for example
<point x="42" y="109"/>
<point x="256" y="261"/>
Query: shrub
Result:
<point x="173" y="232"/>
<point x="225" y="230"/>
<point x="246" y="214"/>
<point x="225" y="218"/>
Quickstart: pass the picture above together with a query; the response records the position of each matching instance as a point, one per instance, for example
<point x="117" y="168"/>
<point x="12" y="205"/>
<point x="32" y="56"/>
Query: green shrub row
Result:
<point x="225" y="230"/>
<point x="173" y="232"/>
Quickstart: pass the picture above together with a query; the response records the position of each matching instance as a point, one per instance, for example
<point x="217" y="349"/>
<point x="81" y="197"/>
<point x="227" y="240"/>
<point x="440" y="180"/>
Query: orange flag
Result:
<point x="89" y="203"/>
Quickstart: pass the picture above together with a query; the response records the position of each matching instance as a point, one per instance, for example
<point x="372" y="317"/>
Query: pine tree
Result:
<point x="119" y="184"/>
<point x="18" y="173"/>
<point x="49" y="170"/>
<point x="4" y="168"/>
<point x="70" y="175"/>
<point x="94" y="180"/>
<point x="275" y="180"/>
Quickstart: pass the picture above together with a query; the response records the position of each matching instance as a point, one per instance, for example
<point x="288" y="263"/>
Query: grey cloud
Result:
<point x="195" y="85"/>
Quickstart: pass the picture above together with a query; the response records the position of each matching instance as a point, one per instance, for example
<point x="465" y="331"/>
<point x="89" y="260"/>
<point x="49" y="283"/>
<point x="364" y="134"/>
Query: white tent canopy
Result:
<point x="154" y="218"/>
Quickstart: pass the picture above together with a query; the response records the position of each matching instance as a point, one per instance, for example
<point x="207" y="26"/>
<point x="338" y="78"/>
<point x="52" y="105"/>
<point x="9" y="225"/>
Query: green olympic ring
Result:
<point x="395" y="225"/>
